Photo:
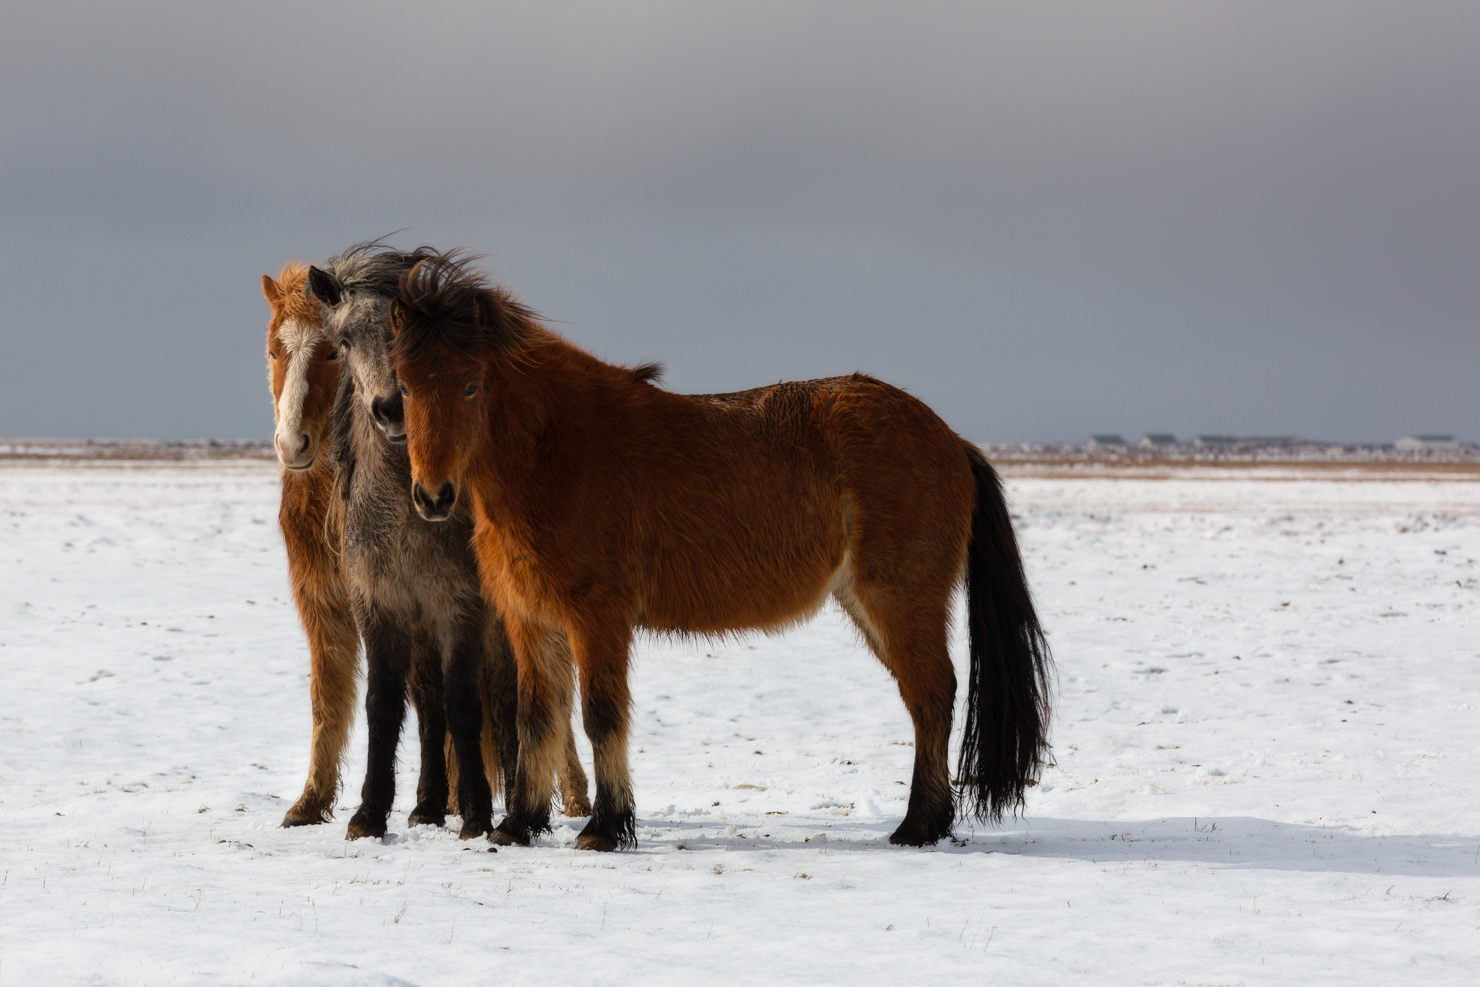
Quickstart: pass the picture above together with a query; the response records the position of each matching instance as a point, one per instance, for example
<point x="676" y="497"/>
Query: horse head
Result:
<point x="302" y="368"/>
<point x="448" y="326"/>
<point x="355" y="291"/>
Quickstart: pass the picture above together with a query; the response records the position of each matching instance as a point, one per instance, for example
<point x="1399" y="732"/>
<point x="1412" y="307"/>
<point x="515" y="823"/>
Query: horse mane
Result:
<point x="341" y="449"/>
<point x="294" y="302"/>
<point x="647" y="373"/>
<point x="372" y="267"/>
<point x="445" y="298"/>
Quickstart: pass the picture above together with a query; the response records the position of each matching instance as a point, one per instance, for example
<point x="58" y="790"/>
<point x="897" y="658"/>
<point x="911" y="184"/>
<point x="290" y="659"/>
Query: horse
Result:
<point x="413" y="585"/>
<point x="603" y="504"/>
<point x="303" y="372"/>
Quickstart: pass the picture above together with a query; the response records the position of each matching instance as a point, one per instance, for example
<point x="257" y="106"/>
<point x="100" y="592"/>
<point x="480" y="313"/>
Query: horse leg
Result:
<point x="573" y="800"/>
<point x="571" y="777"/>
<point x="463" y="699"/>
<point x="503" y="705"/>
<point x="431" y="730"/>
<point x="387" y="656"/>
<point x="449" y="758"/>
<point x="501" y="711"/>
<point x="911" y="642"/>
<point x="606" y="703"/>
<point x="544" y="716"/>
<point x="333" y="647"/>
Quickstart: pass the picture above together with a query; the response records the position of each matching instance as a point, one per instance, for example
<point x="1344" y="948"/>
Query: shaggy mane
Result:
<point x="445" y="298"/>
<point x="371" y="266"/>
<point x="647" y="373"/>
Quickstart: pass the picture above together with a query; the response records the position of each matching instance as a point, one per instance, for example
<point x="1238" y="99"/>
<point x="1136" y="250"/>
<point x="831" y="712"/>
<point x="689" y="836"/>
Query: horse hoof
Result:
<point x="473" y="830"/>
<point x="596" y="841"/>
<point x="426" y="817"/>
<point x="503" y="837"/>
<point x="305" y="815"/>
<point x="360" y="827"/>
<point x="912" y="836"/>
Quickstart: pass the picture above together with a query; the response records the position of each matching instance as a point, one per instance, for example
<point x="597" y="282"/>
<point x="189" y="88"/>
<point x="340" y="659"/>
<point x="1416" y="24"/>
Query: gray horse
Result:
<point x="413" y="584"/>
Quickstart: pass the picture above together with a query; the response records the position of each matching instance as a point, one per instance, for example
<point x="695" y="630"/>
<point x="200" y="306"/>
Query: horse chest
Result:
<point x="375" y="523"/>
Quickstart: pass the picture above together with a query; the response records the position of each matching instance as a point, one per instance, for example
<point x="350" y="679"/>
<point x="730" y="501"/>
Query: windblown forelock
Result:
<point x="445" y="298"/>
<point x="374" y="268"/>
<point x="293" y="302"/>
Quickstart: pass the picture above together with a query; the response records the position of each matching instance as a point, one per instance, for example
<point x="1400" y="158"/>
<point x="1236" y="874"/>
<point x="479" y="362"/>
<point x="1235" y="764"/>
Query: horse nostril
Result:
<point x="388" y="411"/>
<point x="434" y="510"/>
<point x="303" y="446"/>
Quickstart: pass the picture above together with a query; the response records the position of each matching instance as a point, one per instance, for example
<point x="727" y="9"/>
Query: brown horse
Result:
<point x="304" y="373"/>
<point x="603" y="504"/>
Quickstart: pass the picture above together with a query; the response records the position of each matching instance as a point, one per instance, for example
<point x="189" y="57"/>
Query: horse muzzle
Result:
<point x="296" y="453"/>
<point x="390" y="415"/>
<point x="434" y="509"/>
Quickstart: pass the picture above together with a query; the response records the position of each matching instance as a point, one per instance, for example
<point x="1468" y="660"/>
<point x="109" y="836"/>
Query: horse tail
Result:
<point x="1007" y="705"/>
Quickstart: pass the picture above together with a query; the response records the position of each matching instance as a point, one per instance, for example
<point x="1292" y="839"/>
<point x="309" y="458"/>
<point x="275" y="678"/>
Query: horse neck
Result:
<point x="388" y="465"/>
<point x="306" y="492"/>
<point x="549" y="396"/>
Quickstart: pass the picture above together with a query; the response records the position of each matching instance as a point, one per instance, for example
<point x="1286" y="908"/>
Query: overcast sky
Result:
<point x="1044" y="219"/>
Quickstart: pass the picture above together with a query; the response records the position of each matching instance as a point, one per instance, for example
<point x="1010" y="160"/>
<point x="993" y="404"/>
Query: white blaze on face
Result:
<point x="298" y="341"/>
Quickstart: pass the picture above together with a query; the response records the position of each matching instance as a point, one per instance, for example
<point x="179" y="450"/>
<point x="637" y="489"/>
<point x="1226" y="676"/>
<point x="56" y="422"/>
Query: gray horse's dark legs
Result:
<point x="462" y="673"/>
<point x="431" y="723"/>
<point x="387" y="654"/>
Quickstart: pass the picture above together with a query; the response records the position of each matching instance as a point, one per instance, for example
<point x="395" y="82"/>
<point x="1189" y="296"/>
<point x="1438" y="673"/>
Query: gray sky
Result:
<point x="1044" y="219"/>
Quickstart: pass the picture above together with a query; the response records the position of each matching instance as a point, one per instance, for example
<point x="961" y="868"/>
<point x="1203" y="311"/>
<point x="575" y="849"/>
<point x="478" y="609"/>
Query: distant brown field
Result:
<point x="155" y="452"/>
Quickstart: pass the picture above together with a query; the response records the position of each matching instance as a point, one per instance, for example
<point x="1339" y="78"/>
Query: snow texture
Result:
<point x="1264" y="739"/>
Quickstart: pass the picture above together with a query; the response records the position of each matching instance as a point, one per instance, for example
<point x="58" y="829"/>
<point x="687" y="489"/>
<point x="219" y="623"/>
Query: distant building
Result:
<point x="1108" y="439"/>
<point x="1248" y="441"/>
<point x="1152" y="440"/>
<point x="1414" y="443"/>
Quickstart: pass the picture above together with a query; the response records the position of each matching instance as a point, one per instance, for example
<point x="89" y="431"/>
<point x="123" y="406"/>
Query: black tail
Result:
<point x="1007" y="704"/>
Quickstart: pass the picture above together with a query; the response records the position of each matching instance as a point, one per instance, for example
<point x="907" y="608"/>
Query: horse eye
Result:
<point x="271" y="355"/>
<point x="333" y="355"/>
<point x="405" y="392"/>
<point x="470" y="390"/>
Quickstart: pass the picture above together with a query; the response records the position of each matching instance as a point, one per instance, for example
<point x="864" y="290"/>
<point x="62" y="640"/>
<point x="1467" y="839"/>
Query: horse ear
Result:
<point x="324" y="286"/>
<point x="271" y="291"/>
<point x="398" y="316"/>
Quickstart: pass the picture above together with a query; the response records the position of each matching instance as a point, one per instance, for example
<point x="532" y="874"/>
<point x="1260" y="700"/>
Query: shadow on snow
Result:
<point x="1224" y="842"/>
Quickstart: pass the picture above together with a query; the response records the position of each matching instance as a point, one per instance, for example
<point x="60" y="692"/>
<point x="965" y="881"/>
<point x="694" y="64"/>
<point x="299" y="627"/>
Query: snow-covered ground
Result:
<point x="1265" y="739"/>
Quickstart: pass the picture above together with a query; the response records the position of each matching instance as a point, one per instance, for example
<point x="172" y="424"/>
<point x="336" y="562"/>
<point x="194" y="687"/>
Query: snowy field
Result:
<point x="1265" y="744"/>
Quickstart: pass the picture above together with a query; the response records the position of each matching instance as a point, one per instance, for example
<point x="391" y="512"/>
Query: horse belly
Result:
<point x="753" y="575"/>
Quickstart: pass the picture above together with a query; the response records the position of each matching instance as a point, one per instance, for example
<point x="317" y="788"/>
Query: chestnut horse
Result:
<point x="603" y="504"/>
<point x="303" y="370"/>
